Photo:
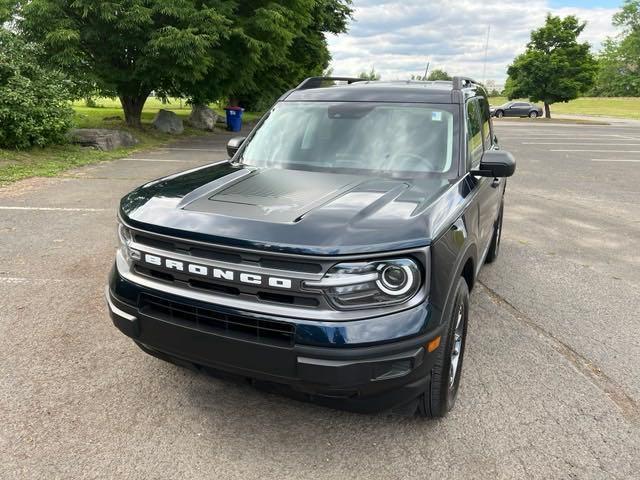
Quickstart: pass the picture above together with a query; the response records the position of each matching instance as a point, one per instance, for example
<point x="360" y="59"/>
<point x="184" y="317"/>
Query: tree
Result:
<point x="129" y="48"/>
<point x="201" y="49"/>
<point x="34" y="101"/>
<point x="619" y="59"/>
<point x="438" y="74"/>
<point x="554" y="67"/>
<point x="370" y="75"/>
<point x="306" y="54"/>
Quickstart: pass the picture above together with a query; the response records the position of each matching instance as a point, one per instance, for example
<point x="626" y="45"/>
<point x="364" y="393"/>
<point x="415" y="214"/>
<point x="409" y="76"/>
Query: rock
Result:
<point x="102" y="138"/>
<point x="202" y="118"/>
<point x="168" y="122"/>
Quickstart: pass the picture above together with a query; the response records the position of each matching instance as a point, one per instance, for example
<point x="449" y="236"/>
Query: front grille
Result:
<point x="233" y="326"/>
<point x="246" y="292"/>
<point x="295" y="269"/>
<point x="229" y="256"/>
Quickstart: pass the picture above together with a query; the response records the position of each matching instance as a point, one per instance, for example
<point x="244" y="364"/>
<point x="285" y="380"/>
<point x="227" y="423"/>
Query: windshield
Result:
<point x="356" y="137"/>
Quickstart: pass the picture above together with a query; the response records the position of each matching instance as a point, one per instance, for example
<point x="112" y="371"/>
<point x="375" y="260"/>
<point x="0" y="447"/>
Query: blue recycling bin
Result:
<point x="234" y="118"/>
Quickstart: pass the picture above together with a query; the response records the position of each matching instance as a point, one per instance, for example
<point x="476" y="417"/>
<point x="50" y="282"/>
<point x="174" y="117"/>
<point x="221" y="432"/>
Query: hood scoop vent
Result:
<point x="281" y="196"/>
<point x="269" y="187"/>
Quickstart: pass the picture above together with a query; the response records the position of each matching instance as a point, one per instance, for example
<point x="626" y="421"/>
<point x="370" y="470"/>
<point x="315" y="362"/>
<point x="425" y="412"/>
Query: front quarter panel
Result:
<point x="450" y="251"/>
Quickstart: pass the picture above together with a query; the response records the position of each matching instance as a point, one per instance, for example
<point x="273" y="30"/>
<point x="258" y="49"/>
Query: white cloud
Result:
<point x="399" y="37"/>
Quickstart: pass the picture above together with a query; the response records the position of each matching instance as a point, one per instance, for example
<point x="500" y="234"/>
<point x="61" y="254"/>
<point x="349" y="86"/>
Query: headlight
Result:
<point x="124" y="234"/>
<point x="125" y="238"/>
<point x="370" y="284"/>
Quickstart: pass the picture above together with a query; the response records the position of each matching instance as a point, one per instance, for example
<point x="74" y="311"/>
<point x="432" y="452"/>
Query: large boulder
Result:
<point x="102" y="138"/>
<point x="168" y="122"/>
<point x="202" y="118"/>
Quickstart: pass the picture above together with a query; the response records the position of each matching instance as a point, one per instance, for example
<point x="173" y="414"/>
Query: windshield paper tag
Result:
<point x="436" y="116"/>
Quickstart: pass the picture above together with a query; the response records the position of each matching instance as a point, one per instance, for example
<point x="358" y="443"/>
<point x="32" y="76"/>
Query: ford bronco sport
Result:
<point x="332" y="254"/>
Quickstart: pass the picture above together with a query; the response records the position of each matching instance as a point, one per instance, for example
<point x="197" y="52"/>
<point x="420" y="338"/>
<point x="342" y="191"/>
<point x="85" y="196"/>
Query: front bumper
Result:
<point x="340" y="364"/>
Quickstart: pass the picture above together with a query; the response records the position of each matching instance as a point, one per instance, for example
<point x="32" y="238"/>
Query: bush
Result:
<point x="34" y="101"/>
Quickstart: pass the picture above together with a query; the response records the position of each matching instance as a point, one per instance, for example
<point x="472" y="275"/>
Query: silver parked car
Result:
<point x="517" y="109"/>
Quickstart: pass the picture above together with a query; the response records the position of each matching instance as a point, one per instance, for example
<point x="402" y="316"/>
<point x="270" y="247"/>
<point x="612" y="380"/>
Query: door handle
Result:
<point x="495" y="183"/>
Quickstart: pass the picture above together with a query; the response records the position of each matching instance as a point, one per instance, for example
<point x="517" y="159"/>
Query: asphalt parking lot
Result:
<point x="551" y="387"/>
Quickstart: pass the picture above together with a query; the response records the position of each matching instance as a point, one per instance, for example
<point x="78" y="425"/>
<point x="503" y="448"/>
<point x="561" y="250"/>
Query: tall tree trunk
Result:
<point x="547" y="110"/>
<point x="132" y="106"/>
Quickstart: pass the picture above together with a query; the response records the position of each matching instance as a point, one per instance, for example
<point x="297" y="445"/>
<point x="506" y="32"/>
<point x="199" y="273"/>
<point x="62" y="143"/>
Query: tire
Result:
<point x="499" y="114"/>
<point x="442" y="392"/>
<point x="533" y="114"/>
<point x="494" y="248"/>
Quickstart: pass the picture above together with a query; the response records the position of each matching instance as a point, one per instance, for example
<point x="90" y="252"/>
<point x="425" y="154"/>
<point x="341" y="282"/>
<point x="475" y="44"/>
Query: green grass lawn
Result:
<point x="621" y="107"/>
<point x="54" y="159"/>
<point x="87" y="117"/>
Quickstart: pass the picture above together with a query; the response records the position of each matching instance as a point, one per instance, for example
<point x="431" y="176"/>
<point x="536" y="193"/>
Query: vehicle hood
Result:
<point x="289" y="210"/>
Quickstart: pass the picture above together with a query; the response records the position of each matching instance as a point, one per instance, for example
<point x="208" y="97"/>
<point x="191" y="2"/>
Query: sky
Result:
<point x="399" y="37"/>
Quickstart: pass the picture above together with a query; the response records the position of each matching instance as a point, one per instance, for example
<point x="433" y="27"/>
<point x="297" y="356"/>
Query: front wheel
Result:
<point x="442" y="392"/>
<point x="533" y="114"/>
<point x="499" y="114"/>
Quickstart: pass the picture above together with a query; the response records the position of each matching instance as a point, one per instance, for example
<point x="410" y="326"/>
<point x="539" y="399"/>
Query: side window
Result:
<point x="486" y="122"/>
<point x="474" y="134"/>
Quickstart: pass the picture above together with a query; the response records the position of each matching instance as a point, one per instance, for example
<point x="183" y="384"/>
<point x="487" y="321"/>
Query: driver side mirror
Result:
<point x="496" y="163"/>
<point x="234" y="145"/>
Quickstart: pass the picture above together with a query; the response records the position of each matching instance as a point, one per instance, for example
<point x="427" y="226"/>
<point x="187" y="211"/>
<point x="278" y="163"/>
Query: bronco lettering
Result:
<point x="217" y="273"/>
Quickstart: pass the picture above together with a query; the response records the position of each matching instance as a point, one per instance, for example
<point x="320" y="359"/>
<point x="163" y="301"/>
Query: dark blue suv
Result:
<point x="332" y="254"/>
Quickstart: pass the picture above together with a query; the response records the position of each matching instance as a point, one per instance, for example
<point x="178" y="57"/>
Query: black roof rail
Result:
<point x="316" y="82"/>
<point x="460" y="82"/>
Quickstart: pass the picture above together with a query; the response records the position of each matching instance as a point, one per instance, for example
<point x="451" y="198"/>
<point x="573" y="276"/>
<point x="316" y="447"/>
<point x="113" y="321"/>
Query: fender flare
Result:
<point x="469" y="252"/>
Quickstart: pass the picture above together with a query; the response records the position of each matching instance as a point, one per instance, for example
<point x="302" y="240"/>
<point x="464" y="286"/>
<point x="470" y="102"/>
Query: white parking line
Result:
<point x="568" y="135"/>
<point x="55" y="209"/>
<point x="569" y="138"/>
<point x="557" y="126"/>
<point x="24" y="280"/>
<point x="630" y="160"/>
<point x="14" y="280"/>
<point x="583" y="143"/>
<point x="598" y="151"/>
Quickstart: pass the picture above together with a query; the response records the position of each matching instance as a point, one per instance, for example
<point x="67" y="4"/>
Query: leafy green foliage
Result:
<point x="34" y="101"/>
<point x="438" y="74"/>
<point x="619" y="60"/>
<point x="267" y="57"/>
<point x="370" y="75"/>
<point x="555" y="67"/>
<point x="6" y="10"/>
<point x="255" y="57"/>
